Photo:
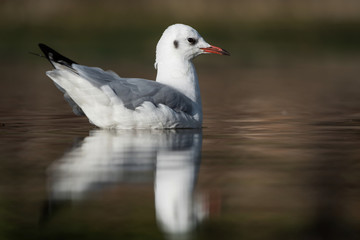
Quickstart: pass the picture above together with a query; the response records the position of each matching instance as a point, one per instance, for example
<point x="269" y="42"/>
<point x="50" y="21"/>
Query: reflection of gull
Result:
<point x="105" y="158"/>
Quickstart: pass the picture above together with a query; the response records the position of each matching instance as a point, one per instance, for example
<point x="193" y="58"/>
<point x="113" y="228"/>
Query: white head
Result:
<point x="184" y="42"/>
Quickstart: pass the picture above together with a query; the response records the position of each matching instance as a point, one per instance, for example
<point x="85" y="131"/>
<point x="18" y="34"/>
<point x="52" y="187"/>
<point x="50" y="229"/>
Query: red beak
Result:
<point x="216" y="50"/>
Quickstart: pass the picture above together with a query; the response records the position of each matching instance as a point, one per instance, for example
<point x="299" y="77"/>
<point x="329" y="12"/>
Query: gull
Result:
<point x="113" y="102"/>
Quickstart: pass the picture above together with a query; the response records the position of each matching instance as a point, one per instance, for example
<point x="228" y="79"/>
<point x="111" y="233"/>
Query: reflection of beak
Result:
<point x="216" y="50"/>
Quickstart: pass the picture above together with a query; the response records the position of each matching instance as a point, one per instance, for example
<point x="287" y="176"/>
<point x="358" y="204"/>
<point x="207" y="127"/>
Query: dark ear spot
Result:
<point x="176" y="44"/>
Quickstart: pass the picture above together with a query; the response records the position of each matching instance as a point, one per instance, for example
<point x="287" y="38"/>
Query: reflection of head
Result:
<point x="176" y="209"/>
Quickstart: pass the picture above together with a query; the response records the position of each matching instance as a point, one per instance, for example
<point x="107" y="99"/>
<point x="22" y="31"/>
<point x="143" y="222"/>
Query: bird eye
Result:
<point x="191" y="40"/>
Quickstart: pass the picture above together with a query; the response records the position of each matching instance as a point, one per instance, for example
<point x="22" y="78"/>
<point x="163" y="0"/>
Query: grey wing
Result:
<point x="135" y="91"/>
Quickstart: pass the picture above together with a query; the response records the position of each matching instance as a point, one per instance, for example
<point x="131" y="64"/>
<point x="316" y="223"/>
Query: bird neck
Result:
<point x="180" y="75"/>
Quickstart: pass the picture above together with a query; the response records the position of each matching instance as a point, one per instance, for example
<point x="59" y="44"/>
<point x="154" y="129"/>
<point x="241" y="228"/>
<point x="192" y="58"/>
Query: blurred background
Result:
<point x="280" y="145"/>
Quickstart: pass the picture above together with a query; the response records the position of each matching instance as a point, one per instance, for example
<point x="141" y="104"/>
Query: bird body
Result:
<point x="110" y="101"/>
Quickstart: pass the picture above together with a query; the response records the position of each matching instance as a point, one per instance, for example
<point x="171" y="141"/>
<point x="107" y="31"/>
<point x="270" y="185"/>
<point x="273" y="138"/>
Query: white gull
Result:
<point x="110" y="101"/>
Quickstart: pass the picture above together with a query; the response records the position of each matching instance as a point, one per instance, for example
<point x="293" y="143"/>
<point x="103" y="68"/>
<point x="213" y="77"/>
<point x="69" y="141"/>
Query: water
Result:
<point x="278" y="158"/>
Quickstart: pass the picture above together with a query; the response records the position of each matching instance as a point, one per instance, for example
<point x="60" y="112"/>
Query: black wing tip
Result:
<point x="41" y="45"/>
<point x="46" y="49"/>
<point x="54" y="56"/>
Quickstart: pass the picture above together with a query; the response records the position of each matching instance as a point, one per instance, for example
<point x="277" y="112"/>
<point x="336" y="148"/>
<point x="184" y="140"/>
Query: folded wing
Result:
<point x="132" y="92"/>
<point x="135" y="91"/>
